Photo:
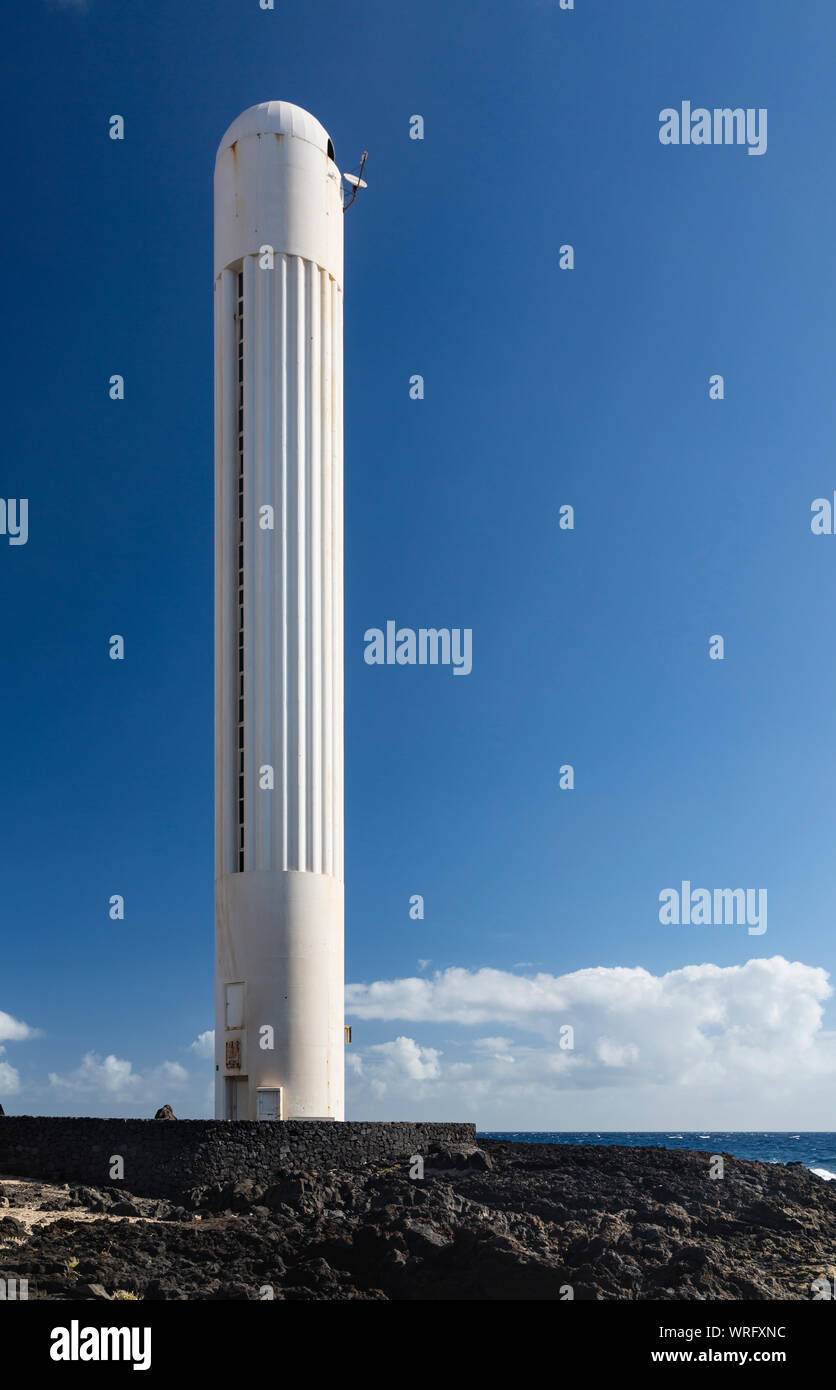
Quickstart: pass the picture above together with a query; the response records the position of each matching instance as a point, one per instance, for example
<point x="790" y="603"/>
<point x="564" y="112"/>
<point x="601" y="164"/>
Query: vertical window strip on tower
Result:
<point x="240" y="595"/>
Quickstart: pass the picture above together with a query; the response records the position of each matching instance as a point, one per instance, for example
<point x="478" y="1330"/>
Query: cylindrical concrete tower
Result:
<point x="279" y="1039"/>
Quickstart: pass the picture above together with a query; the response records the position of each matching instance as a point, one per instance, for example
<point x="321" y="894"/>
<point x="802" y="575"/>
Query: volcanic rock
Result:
<point x="523" y="1222"/>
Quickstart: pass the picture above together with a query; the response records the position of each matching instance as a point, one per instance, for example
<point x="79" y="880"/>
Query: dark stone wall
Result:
<point x="164" y="1158"/>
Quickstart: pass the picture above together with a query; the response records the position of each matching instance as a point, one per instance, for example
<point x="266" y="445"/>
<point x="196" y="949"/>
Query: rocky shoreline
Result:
<point x="501" y="1221"/>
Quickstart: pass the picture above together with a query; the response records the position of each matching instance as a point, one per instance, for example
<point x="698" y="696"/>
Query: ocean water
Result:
<point x="817" y="1151"/>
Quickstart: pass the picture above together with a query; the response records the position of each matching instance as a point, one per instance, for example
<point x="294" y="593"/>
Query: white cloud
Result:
<point x="113" y="1075"/>
<point x="14" y="1030"/>
<point x="722" y="1047"/>
<point x="402" y="1060"/>
<point x="204" y="1044"/>
<point x="9" y="1080"/>
<point x="756" y="1002"/>
<point x="498" y="1048"/>
<point x="115" y="1079"/>
<point x="472" y="996"/>
<point x="705" y="1046"/>
<point x="407" y="1058"/>
<point x="109" y="1085"/>
<point x="174" y="1072"/>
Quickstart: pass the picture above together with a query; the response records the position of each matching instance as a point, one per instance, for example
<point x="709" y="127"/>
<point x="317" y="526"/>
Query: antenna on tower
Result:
<point x="356" y="180"/>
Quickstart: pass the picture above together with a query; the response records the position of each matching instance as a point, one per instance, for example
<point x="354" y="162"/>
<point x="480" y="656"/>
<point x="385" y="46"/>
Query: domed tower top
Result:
<point x="277" y="185"/>
<point x="278" y="118"/>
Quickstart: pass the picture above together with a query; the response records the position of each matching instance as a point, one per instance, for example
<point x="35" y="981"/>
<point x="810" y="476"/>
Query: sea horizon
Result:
<point x="814" y="1149"/>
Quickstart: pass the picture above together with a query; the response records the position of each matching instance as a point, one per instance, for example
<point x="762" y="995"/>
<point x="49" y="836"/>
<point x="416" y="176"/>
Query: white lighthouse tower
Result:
<point x="279" y="1030"/>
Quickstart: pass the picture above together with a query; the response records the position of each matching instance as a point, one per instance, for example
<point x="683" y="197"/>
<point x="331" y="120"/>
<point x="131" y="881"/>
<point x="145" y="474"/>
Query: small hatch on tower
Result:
<point x="269" y="1102"/>
<point x="235" y="1006"/>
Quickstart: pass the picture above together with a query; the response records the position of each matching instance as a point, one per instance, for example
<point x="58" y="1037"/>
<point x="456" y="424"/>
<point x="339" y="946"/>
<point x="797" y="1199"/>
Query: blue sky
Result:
<point x="543" y="387"/>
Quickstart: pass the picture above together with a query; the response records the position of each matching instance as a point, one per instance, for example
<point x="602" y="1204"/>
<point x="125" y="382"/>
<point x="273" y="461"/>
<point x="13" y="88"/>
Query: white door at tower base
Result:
<point x="236" y="1098"/>
<point x="269" y="1103"/>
